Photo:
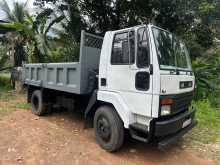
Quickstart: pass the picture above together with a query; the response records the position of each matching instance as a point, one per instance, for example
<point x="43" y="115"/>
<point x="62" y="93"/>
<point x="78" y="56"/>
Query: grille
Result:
<point x="181" y="102"/>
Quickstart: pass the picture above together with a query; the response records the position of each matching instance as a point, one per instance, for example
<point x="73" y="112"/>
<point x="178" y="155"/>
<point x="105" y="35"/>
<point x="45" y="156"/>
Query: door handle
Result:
<point x="151" y="69"/>
<point x="103" y="81"/>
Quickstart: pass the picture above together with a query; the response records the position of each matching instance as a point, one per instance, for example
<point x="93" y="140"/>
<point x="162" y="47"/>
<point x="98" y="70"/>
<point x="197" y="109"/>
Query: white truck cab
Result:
<point x="145" y="73"/>
<point x="144" y="84"/>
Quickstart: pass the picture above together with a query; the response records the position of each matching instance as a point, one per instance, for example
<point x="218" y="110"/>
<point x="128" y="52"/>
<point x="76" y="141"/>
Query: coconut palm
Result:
<point x="16" y="39"/>
<point x="33" y="30"/>
<point x="17" y="14"/>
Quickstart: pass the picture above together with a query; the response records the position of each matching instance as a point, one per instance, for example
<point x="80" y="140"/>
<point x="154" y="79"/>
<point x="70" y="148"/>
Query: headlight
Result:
<point x="166" y="106"/>
<point x="165" y="110"/>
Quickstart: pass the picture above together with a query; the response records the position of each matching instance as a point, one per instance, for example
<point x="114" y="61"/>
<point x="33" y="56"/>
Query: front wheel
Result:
<point x="109" y="129"/>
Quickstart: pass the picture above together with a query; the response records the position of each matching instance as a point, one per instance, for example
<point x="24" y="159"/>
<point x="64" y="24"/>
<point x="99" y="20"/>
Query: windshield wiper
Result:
<point x="174" y="72"/>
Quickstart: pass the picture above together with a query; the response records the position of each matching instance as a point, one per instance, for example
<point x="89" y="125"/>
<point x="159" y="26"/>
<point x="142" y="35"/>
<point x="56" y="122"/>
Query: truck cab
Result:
<point x="145" y="73"/>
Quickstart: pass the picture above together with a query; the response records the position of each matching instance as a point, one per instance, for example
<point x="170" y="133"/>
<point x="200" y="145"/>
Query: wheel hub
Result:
<point x="104" y="129"/>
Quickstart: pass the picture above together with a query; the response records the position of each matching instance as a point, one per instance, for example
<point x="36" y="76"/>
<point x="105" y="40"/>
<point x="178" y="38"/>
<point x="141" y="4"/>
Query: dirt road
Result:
<point x="61" y="139"/>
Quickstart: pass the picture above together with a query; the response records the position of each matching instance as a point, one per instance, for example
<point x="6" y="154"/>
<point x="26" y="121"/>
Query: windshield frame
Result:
<point x="166" y="67"/>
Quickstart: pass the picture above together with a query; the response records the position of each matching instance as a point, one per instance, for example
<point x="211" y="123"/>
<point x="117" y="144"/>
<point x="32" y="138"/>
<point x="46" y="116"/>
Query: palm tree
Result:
<point x="17" y="14"/>
<point x="32" y="30"/>
<point x="16" y="39"/>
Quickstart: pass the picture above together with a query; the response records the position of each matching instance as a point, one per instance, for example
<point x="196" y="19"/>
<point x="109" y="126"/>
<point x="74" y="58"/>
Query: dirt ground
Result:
<point x="60" y="138"/>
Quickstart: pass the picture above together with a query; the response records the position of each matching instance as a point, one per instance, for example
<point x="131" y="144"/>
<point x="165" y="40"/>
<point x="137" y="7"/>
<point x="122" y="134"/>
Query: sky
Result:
<point x="10" y="3"/>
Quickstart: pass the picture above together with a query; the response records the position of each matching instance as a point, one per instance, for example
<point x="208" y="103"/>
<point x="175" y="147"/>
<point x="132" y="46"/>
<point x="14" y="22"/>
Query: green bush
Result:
<point x="214" y="98"/>
<point x="5" y="81"/>
<point x="207" y="72"/>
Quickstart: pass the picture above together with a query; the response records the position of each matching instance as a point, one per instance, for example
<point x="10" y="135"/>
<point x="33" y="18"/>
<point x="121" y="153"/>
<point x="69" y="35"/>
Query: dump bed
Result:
<point x="74" y="77"/>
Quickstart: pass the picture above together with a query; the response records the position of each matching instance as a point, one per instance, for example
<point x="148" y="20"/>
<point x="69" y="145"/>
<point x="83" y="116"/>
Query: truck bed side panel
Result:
<point x="57" y="76"/>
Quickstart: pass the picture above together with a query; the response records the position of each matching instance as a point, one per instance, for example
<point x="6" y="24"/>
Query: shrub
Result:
<point x="5" y="81"/>
<point x="207" y="72"/>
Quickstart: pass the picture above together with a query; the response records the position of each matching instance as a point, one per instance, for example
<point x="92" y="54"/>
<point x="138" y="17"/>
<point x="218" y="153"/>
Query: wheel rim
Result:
<point x="104" y="129"/>
<point x="35" y="102"/>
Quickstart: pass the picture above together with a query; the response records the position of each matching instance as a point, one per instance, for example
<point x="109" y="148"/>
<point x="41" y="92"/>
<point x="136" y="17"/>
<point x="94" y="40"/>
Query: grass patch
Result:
<point x="208" y="128"/>
<point x="22" y="106"/>
<point x="5" y="94"/>
<point x="9" y="100"/>
<point x="4" y="110"/>
<point x="5" y="86"/>
<point x="205" y="137"/>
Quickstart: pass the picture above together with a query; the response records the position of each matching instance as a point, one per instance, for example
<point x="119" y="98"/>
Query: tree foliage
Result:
<point x="197" y="22"/>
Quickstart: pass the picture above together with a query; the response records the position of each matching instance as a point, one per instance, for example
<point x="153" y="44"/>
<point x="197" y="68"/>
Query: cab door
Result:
<point x="129" y="73"/>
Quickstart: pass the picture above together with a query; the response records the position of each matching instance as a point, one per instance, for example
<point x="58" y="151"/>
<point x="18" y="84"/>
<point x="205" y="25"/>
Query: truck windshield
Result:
<point x="172" y="53"/>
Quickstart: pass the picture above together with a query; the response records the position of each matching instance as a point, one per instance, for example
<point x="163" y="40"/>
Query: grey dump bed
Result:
<point x="74" y="77"/>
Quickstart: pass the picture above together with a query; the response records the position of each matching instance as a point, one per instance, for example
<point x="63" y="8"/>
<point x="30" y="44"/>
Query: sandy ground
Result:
<point x="60" y="138"/>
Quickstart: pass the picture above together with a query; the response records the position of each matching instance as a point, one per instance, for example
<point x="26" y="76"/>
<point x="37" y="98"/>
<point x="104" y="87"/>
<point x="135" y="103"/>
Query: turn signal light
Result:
<point x="166" y="101"/>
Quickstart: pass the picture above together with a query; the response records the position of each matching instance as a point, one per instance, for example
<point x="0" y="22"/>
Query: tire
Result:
<point x="109" y="129"/>
<point x="38" y="106"/>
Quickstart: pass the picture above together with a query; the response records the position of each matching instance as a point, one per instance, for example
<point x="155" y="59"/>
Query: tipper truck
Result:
<point x="137" y="80"/>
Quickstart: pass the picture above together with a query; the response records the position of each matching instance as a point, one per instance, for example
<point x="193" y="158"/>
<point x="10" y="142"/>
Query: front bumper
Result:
<point x="169" y="140"/>
<point x="170" y="130"/>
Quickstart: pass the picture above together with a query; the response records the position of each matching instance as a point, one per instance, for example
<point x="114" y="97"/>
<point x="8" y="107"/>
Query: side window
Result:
<point x="121" y="50"/>
<point x="143" y="53"/>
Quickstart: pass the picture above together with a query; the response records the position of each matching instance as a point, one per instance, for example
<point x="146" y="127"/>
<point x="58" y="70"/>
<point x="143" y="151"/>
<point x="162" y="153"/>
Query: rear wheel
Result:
<point x="109" y="129"/>
<point x="38" y="106"/>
